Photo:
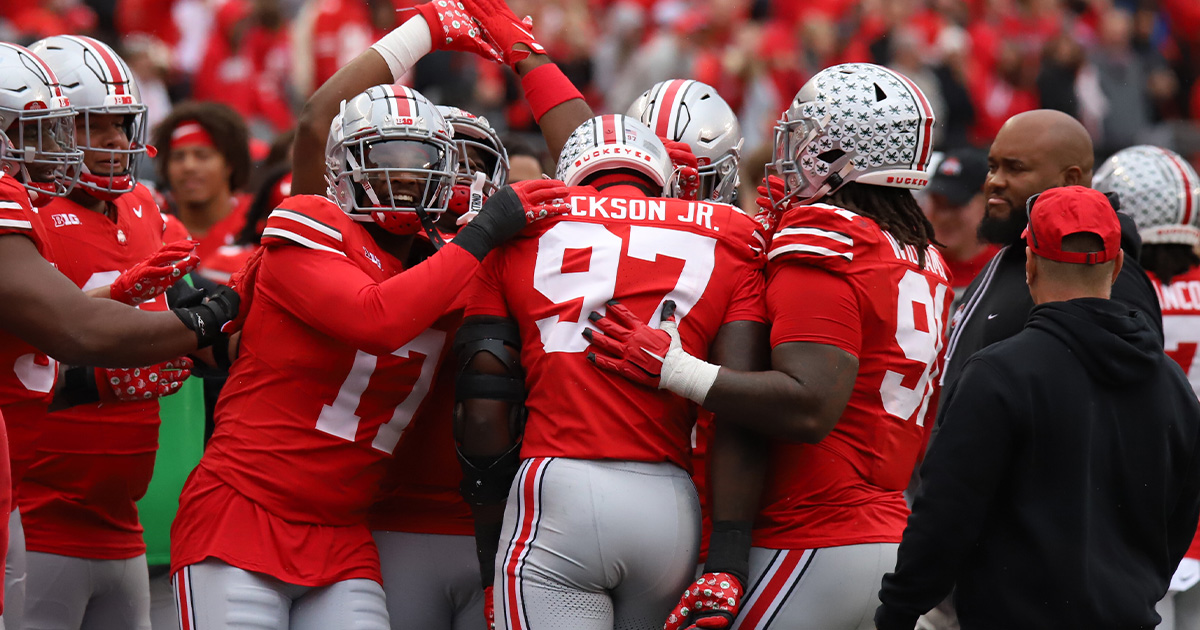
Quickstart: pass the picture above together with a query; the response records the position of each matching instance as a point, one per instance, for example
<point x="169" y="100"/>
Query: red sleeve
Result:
<point x="813" y="305"/>
<point x="746" y="303"/>
<point x="332" y="294"/>
<point x="484" y="295"/>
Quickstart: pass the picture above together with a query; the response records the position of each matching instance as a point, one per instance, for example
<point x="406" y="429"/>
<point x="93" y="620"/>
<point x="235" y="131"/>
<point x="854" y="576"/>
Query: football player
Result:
<point x="46" y="314"/>
<point x="421" y="524"/>
<point x="304" y="429"/>
<point x="601" y="526"/>
<point x="94" y="460"/>
<point x="692" y="113"/>
<point x="1161" y="191"/>
<point x="857" y="298"/>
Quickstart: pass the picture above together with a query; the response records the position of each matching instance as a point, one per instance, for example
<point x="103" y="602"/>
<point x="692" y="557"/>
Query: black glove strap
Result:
<point x="206" y="319"/>
<point x="729" y="549"/>
<point x="79" y="386"/>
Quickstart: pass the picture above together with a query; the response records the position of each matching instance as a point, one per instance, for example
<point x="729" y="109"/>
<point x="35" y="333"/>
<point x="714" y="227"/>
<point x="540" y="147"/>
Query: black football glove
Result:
<point x="206" y="319"/>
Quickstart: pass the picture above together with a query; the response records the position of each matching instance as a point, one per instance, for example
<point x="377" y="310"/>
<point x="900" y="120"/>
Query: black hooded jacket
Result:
<point x="1064" y="487"/>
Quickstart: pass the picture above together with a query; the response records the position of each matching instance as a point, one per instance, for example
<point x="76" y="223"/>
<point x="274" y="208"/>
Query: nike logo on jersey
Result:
<point x="993" y="315"/>
<point x="138" y="211"/>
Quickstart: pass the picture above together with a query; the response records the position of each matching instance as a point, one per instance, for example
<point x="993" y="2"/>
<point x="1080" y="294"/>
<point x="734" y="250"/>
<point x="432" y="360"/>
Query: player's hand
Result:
<point x="207" y="319"/>
<point x="147" y="279"/>
<point x="505" y="30"/>
<point x="452" y="28"/>
<point x="687" y="169"/>
<point x="711" y="603"/>
<point x="542" y="198"/>
<point x="489" y="608"/>
<point x="770" y="202"/>
<point x="242" y="284"/>
<point x="469" y="208"/>
<point x="625" y="345"/>
<point x="145" y="383"/>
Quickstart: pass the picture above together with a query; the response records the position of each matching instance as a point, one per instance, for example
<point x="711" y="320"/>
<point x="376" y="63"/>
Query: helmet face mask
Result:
<point x="853" y="122"/>
<point x="100" y="84"/>
<point x="390" y="158"/>
<point x="39" y="123"/>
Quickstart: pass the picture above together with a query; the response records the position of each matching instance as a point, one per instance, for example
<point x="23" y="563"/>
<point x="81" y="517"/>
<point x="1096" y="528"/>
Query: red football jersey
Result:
<point x="642" y="251"/>
<point x="836" y="278"/>
<point x="1180" y="302"/>
<point x="27" y="375"/>
<point x="420" y="492"/>
<point x="337" y="354"/>
<point x="93" y="462"/>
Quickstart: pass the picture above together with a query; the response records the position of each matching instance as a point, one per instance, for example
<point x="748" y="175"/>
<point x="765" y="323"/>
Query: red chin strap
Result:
<point x="37" y="197"/>
<point x="402" y="223"/>
<point x="100" y="187"/>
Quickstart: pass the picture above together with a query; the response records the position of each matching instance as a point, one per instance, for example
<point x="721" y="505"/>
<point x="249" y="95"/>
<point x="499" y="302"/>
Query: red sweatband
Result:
<point x="189" y="132"/>
<point x="546" y="87"/>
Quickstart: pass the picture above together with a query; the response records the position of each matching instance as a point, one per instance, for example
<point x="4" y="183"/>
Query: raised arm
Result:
<point x="383" y="63"/>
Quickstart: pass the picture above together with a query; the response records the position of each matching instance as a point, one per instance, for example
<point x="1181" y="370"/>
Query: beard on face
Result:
<point x="1003" y="231"/>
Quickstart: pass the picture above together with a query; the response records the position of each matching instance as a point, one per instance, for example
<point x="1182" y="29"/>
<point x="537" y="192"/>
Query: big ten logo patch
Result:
<point x="63" y="220"/>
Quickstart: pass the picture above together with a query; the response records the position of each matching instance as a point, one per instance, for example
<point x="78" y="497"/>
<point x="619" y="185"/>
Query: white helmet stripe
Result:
<point x="925" y="132"/>
<point x="50" y="78"/>
<point x="666" y="123"/>
<point x="1187" y="186"/>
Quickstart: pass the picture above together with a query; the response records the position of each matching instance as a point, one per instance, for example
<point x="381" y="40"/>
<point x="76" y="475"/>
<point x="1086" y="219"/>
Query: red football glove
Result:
<point x="136" y="384"/>
<point x="505" y="30"/>
<point x="147" y="279"/>
<point x="242" y="283"/>
<point x="542" y="198"/>
<point x="770" y="201"/>
<point x="625" y="345"/>
<point x="687" y="168"/>
<point x="489" y="608"/>
<point x="452" y="28"/>
<point x="711" y="603"/>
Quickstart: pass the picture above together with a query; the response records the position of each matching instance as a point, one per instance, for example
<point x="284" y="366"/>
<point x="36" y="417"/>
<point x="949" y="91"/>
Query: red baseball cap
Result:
<point x="1061" y="212"/>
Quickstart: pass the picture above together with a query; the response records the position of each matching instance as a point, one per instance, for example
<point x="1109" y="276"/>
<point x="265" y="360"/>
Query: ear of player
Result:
<point x="712" y="603"/>
<point x="151" y="277"/>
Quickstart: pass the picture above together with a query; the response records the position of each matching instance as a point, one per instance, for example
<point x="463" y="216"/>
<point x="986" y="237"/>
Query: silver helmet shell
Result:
<point x="39" y="123"/>
<point x="613" y="142"/>
<point x="692" y="112"/>
<point x="1159" y="189"/>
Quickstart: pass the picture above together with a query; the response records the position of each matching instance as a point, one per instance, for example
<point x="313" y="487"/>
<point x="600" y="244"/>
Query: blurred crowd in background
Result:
<point x="1127" y="69"/>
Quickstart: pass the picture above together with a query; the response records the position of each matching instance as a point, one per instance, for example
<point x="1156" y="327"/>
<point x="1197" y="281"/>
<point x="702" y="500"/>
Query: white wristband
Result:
<point x="405" y="45"/>
<point x="688" y="376"/>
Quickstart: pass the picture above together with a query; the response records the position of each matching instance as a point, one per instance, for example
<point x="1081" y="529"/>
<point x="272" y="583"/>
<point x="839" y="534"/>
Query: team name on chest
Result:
<point x="693" y="212"/>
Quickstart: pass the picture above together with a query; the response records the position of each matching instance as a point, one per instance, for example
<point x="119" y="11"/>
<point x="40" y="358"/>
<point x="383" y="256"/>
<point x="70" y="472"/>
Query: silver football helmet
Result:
<point x="391" y="158"/>
<point x="99" y="82"/>
<point x="613" y="142"/>
<point x="39" y="122"/>
<point x="692" y="112"/>
<point x="1159" y="189"/>
<point x="853" y="122"/>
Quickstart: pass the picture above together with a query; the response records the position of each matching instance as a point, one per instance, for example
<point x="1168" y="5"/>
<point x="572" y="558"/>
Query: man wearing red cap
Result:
<point x="1063" y="488"/>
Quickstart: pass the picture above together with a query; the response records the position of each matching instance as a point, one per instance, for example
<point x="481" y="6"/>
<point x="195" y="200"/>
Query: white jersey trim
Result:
<point x="804" y="231"/>
<point x="296" y="238"/>
<point x="303" y="220"/>
<point x="808" y="249"/>
<point x="14" y="223"/>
